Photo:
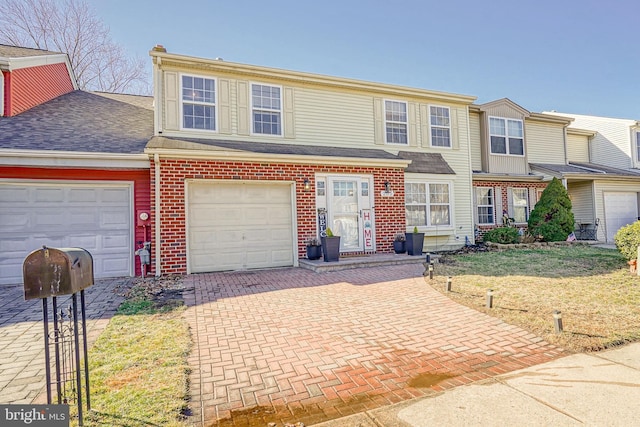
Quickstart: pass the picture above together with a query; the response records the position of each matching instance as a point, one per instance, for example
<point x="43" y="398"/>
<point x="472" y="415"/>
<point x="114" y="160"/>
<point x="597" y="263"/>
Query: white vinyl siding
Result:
<point x="396" y="122"/>
<point x="475" y="134"/>
<point x="440" y="126"/>
<point x="637" y="148"/>
<point x="198" y="102"/>
<point x="485" y="205"/>
<point x="428" y="204"/>
<point x="266" y="112"/>
<point x="545" y="142"/>
<point x="506" y="136"/>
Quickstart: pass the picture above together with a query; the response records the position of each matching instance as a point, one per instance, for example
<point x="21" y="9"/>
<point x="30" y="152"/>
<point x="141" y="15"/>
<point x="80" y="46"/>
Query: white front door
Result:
<point x="345" y="203"/>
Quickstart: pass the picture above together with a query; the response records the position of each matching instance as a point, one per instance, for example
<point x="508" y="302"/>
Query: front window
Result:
<point x="427" y="204"/>
<point x="198" y="103"/>
<point x="395" y="114"/>
<point x="267" y="109"/>
<point x="507" y="136"/>
<point x="484" y="202"/>
<point x="520" y="205"/>
<point x="440" y="126"/>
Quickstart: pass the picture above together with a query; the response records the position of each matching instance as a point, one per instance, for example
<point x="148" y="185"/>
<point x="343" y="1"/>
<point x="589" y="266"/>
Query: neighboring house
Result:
<point x="507" y="142"/>
<point x="603" y="171"/>
<point x="248" y="162"/>
<point x="72" y="167"/>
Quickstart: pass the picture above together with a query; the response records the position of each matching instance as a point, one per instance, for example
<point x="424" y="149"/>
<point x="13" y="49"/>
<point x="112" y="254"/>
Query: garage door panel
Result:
<point x="91" y="216"/>
<point x="247" y="225"/>
<point x="620" y="209"/>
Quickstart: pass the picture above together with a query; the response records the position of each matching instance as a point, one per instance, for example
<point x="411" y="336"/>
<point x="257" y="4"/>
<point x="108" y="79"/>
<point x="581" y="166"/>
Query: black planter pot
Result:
<point x="314" y="252"/>
<point x="415" y="243"/>
<point x="331" y="248"/>
<point x="399" y="247"/>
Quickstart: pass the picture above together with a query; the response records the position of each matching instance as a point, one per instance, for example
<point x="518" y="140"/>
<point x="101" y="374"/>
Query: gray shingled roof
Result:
<point x="7" y="51"/>
<point x="426" y="163"/>
<point x="268" y="148"/>
<point x="83" y="122"/>
<point x="585" y="169"/>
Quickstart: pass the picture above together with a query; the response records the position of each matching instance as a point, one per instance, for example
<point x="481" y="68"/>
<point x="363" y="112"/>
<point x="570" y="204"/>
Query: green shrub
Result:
<point x="552" y="219"/>
<point x="504" y="235"/>
<point x="628" y="239"/>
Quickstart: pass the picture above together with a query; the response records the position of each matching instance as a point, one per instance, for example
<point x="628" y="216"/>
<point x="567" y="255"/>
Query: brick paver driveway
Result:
<point x="292" y="345"/>
<point x="22" y="368"/>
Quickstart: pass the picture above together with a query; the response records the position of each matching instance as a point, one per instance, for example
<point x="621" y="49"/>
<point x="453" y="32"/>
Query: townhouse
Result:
<point x="72" y="167"/>
<point x="248" y="162"/>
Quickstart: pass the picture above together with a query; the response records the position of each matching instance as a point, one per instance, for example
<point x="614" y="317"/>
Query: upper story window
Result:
<point x="638" y="147"/>
<point x="484" y="203"/>
<point x="427" y="204"/>
<point x="395" y="113"/>
<point x="507" y="136"/>
<point x="198" y="103"/>
<point x="266" y="104"/>
<point x="440" y="126"/>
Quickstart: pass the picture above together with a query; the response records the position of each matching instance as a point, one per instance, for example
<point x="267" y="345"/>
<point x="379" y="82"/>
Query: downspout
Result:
<point x="566" y="151"/>
<point x="471" y="194"/>
<point x="156" y="161"/>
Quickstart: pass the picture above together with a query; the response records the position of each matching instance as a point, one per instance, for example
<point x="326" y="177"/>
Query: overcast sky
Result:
<point x="567" y="55"/>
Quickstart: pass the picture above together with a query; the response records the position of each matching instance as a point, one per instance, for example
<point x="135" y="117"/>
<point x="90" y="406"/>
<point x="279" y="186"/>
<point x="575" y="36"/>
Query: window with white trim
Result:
<point x="427" y="204"/>
<point x="198" y="103"/>
<point x="484" y="203"/>
<point x="506" y="136"/>
<point x="439" y="120"/>
<point x="638" y="147"/>
<point x="519" y="208"/>
<point x="395" y="114"/>
<point x="266" y="105"/>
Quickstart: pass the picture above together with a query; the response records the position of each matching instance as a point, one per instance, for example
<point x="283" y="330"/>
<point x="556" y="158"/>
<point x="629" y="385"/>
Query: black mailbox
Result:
<point x="49" y="272"/>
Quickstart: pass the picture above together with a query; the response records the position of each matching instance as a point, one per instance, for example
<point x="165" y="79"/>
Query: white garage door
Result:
<point x="237" y="226"/>
<point x="91" y="216"/>
<point x="620" y="209"/>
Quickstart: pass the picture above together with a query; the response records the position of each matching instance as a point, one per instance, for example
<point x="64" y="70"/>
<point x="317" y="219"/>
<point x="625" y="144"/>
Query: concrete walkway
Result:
<point x="291" y="345"/>
<point x="596" y="389"/>
<point x="22" y="367"/>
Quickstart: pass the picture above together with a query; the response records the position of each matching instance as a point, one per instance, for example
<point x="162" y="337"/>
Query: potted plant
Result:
<point x="330" y="246"/>
<point x="415" y="242"/>
<point x="399" y="243"/>
<point x="314" y="248"/>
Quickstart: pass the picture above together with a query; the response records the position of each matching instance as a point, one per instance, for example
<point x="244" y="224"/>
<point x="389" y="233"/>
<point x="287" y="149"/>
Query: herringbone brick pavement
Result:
<point x="292" y="345"/>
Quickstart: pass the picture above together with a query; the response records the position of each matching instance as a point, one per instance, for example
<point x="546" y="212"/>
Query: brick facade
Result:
<point x="504" y="186"/>
<point x="389" y="211"/>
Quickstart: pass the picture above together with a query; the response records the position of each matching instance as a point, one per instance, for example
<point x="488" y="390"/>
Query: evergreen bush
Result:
<point x="552" y="219"/>
<point x="504" y="235"/>
<point x="628" y="239"/>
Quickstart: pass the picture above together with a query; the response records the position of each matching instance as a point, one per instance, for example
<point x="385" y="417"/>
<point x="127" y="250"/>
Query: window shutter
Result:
<point x="172" y="110"/>
<point x="224" y="106"/>
<point x="288" y="107"/>
<point x="378" y="118"/>
<point x="243" y="108"/>
<point x="498" y="205"/>
<point x="413" y="127"/>
<point x="475" y="206"/>
<point x="533" y="192"/>
<point x="426" y="132"/>
<point x="455" y="142"/>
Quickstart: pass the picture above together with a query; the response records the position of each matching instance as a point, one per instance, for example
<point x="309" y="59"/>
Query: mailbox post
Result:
<point x="54" y="272"/>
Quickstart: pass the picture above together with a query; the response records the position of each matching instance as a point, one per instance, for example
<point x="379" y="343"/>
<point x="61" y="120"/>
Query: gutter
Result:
<point x="12" y="157"/>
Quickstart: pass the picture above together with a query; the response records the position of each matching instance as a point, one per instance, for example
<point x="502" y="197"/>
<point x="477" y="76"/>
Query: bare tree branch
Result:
<point x="72" y="27"/>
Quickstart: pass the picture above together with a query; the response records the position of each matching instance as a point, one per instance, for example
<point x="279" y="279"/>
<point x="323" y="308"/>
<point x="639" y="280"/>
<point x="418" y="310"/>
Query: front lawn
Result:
<point x="592" y="287"/>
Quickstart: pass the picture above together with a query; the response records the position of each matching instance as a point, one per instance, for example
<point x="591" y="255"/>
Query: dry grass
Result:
<point x="592" y="287"/>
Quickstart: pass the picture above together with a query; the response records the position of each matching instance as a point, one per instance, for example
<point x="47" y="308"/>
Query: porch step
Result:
<point x="375" y="260"/>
